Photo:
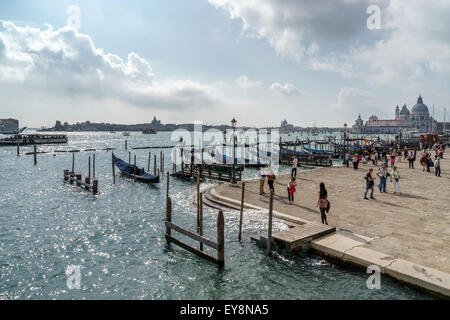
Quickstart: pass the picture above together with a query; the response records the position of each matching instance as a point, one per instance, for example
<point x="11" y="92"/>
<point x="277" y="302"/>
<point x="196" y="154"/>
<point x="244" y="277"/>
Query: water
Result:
<point x="117" y="238"/>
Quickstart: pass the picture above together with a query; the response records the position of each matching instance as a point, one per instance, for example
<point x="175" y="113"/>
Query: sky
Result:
<point x="259" y="61"/>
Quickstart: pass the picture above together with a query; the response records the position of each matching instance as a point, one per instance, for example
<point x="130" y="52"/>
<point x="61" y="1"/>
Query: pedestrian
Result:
<point x="382" y="173"/>
<point x="347" y="159"/>
<point x="393" y="156"/>
<point x="323" y="203"/>
<point x="294" y="167"/>
<point x="355" y="162"/>
<point x="396" y="175"/>
<point x="292" y="184"/>
<point x="262" y="178"/>
<point x="411" y="159"/>
<point x="270" y="180"/>
<point x="369" y="184"/>
<point x="437" y="167"/>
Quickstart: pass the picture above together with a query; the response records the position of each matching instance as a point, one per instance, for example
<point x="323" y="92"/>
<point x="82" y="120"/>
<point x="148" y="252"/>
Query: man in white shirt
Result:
<point x="294" y="167"/>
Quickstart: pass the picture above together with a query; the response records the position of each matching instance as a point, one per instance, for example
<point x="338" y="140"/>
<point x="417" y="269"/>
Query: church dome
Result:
<point x="420" y="107"/>
<point x="405" y="110"/>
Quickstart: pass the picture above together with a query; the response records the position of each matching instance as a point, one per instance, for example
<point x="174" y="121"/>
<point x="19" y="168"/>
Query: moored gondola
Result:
<point x="129" y="171"/>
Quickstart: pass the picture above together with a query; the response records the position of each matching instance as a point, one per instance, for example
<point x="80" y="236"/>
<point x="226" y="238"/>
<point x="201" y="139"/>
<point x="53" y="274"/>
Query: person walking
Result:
<point x="262" y="179"/>
<point x="437" y="166"/>
<point x="355" y="162"/>
<point x="271" y="179"/>
<point x="322" y="203"/>
<point x="411" y="159"/>
<point x="382" y="173"/>
<point x="294" y="167"/>
<point x="292" y="184"/>
<point x="395" y="178"/>
<point x="369" y="184"/>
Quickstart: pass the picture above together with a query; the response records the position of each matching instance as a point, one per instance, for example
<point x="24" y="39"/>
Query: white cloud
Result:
<point x="332" y="35"/>
<point x="66" y="63"/>
<point x="245" y="83"/>
<point x="286" y="88"/>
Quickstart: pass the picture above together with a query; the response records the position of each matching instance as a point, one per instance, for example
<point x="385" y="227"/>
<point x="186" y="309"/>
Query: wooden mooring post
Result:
<point x="113" y="168"/>
<point x="219" y="246"/>
<point x="73" y="162"/>
<point x="126" y="144"/>
<point x="18" y="149"/>
<point x="149" y="161"/>
<point x="134" y="168"/>
<point x="93" y="167"/>
<point x="269" y="232"/>
<point x="154" y="165"/>
<point x="241" y="218"/>
<point x="35" y="155"/>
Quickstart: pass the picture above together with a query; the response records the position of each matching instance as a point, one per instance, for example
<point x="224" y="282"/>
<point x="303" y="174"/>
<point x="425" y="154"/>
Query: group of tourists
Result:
<point x="322" y="203"/>
<point x="383" y="173"/>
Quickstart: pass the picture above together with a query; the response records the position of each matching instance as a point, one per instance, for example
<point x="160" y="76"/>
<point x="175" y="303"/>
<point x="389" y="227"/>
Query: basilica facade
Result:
<point x="418" y="119"/>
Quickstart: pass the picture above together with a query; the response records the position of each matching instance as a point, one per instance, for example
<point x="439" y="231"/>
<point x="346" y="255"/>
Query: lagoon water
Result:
<point x="117" y="237"/>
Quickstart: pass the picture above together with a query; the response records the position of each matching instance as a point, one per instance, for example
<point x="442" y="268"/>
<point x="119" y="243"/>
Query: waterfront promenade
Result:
<point x="412" y="228"/>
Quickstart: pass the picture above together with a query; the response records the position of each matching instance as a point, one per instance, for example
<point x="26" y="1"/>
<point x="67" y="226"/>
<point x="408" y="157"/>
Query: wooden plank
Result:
<point x="191" y="249"/>
<point x="295" y="237"/>
<point x="192" y="235"/>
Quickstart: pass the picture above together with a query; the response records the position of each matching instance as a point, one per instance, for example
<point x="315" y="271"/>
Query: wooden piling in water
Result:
<point x="154" y="165"/>
<point x="221" y="239"/>
<point x="200" y="219"/>
<point x="113" y="168"/>
<point x="35" y="155"/>
<point x="89" y="164"/>
<point x="198" y="202"/>
<point x="168" y="218"/>
<point x="73" y="162"/>
<point x="126" y="144"/>
<point x="93" y="167"/>
<point x="149" y="160"/>
<point x="168" y="185"/>
<point x="242" y="211"/>
<point x="129" y="157"/>
<point x="134" y="168"/>
<point x="18" y="149"/>
<point x="269" y="232"/>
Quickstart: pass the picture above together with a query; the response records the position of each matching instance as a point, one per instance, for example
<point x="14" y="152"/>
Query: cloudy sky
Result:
<point x="259" y="61"/>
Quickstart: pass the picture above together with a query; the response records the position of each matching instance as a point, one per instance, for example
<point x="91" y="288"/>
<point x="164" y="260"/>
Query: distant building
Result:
<point x="286" y="127"/>
<point x="9" y="125"/>
<point x="418" y="119"/>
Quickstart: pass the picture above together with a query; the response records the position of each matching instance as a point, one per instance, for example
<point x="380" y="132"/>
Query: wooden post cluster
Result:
<point x="87" y="185"/>
<point x="219" y="246"/>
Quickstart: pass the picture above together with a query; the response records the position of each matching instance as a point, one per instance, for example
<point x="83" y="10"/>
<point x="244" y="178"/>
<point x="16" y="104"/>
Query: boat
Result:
<point x="247" y="162"/>
<point x="32" y="139"/>
<point x="149" y="131"/>
<point x="126" y="134"/>
<point x="128" y="170"/>
<point x="324" y="152"/>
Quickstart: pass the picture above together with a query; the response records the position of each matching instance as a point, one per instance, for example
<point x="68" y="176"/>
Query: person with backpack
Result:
<point x="369" y="184"/>
<point x="323" y="203"/>
<point x="270" y="180"/>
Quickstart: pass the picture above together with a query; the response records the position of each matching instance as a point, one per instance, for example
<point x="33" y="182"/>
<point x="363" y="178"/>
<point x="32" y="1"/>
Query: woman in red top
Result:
<point x="291" y="190"/>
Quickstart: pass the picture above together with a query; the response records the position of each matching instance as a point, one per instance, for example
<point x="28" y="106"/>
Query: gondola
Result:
<point x="128" y="170"/>
<point x="249" y="164"/>
<point x="323" y="152"/>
